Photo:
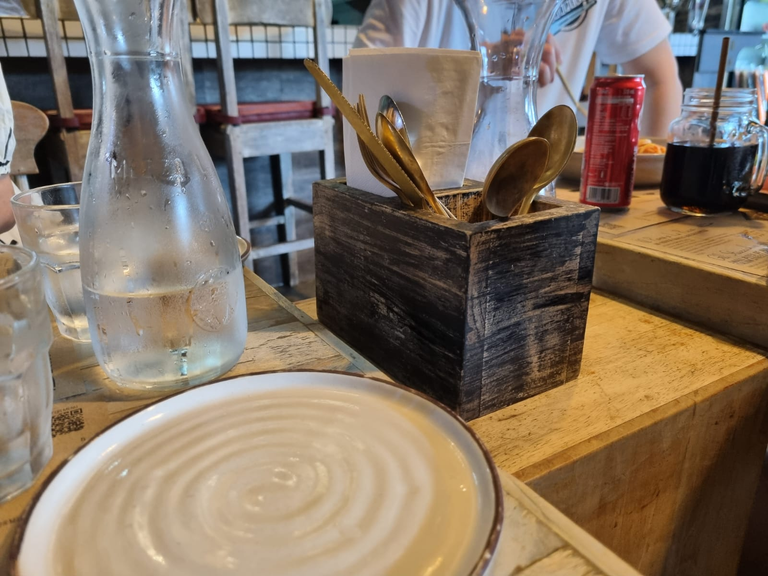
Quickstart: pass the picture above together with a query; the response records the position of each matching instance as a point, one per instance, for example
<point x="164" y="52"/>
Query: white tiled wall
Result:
<point x="684" y="44"/>
<point x="23" y="37"/>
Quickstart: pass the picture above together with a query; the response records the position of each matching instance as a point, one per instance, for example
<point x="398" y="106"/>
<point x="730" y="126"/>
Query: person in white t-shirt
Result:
<point x="7" y="146"/>
<point x="631" y="33"/>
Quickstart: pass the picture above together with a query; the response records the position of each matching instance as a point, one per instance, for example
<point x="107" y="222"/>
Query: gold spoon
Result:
<point x="373" y="167"/>
<point x="409" y="197"/>
<point x="560" y="128"/>
<point x="403" y="154"/>
<point x="389" y="108"/>
<point x="514" y="174"/>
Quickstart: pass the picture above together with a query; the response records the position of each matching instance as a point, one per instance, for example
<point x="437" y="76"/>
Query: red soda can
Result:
<point x="610" y="152"/>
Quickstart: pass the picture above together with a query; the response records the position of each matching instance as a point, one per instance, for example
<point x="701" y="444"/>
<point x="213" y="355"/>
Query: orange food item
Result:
<point x="645" y="146"/>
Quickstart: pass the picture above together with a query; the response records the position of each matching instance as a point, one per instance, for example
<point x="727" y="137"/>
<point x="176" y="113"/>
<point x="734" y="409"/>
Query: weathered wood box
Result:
<point x="478" y="314"/>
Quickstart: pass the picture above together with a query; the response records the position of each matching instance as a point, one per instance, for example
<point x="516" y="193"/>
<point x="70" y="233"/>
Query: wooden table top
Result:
<point x="635" y="362"/>
<point x="537" y="538"/>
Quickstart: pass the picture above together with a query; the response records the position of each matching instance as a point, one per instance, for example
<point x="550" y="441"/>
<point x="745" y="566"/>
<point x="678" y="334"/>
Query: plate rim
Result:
<point x="491" y="542"/>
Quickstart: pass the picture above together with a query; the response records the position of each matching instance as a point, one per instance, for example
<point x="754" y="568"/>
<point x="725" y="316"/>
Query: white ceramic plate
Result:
<point x="300" y="473"/>
<point x="647" y="171"/>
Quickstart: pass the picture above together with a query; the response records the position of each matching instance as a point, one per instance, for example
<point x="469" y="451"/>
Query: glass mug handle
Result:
<point x="761" y="166"/>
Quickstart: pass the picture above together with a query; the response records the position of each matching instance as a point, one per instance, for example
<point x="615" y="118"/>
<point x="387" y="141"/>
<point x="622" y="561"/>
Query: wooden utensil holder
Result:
<point x="477" y="313"/>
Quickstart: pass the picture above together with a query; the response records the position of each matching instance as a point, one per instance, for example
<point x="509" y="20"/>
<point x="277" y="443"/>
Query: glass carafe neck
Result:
<point x="141" y="28"/>
<point x="509" y="34"/>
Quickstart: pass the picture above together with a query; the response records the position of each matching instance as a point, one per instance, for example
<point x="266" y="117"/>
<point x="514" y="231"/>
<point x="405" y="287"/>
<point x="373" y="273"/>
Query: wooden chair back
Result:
<point x="30" y="125"/>
<point x="274" y="12"/>
<point x="222" y="18"/>
<point x="65" y="8"/>
<point x="70" y="144"/>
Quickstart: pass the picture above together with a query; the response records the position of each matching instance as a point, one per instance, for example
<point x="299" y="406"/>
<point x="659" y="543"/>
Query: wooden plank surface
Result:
<point x="654" y="449"/>
<point x="282" y="337"/>
<point x="284" y="12"/>
<point x="689" y="267"/>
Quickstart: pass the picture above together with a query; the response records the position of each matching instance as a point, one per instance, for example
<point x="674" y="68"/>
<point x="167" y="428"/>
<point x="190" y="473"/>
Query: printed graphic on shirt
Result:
<point x="571" y="14"/>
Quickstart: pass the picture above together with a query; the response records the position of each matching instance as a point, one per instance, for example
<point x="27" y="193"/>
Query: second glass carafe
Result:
<point x="510" y="35"/>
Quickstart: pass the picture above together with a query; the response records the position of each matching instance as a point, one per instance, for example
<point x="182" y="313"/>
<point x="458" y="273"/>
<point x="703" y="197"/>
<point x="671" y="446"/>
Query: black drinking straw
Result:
<point x="718" y="90"/>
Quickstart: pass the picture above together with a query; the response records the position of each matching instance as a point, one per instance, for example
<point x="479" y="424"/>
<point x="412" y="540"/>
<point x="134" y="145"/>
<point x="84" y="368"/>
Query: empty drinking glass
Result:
<point x="26" y="386"/>
<point x="48" y="220"/>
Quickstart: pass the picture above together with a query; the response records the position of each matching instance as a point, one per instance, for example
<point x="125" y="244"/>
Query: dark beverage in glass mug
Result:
<point x="707" y="180"/>
<point x="704" y="173"/>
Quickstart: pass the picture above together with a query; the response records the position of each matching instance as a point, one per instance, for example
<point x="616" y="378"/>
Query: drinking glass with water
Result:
<point x="48" y="220"/>
<point x="26" y="386"/>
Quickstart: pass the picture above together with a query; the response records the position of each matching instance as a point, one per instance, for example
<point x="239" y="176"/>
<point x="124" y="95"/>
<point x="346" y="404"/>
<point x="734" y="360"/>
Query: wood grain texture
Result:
<point x="560" y="563"/>
<point x="185" y="50"/>
<point x="631" y="451"/>
<point x="225" y="66"/>
<point x="72" y="152"/>
<point x="29" y="125"/>
<point x="655" y="448"/>
<point x="233" y="152"/>
<point x="319" y="33"/>
<point x="268" y="138"/>
<point x="284" y="12"/>
<point x="66" y="9"/>
<point x="687" y="266"/>
<point x="670" y="491"/>
<point x="478" y="315"/>
<point x="274" y="137"/>
<point x="48" y="12"/>
<point x="698" y="293"/>
<point x="580" y="543"/>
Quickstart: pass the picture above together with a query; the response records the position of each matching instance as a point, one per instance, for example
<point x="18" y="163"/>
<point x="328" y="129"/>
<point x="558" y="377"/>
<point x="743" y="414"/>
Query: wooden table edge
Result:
<point x="576" y="537"/>
<point x="758" y="371"/>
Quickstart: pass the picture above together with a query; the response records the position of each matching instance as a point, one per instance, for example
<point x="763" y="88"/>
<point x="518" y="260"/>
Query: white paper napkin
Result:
<point x="436" y="90"/>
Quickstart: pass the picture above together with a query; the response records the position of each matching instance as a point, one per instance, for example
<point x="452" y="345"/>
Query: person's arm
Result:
<point x="7" y="146"/>
<point x="664" y="91"/>
<point x="6" y="214"/>
<point x="392" y="23"/>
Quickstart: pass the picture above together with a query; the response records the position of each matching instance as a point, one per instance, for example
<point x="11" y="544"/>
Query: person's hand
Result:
<point x="550" y="60"/>
<point x="505" y="58"/>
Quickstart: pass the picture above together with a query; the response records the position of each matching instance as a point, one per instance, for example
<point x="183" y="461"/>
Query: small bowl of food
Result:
<point x="650" y="161"/>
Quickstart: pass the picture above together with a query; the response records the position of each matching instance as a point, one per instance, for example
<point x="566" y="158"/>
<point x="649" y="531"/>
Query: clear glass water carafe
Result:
<point x="510" y="35"/>
<point x="161" y="272"/>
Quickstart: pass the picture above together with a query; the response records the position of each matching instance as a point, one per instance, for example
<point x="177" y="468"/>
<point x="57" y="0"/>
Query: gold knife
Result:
<point x="364" y="132"/>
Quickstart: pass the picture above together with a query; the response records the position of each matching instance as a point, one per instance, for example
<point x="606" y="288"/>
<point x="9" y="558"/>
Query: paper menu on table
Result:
<point x="646" y="210"/>
<point x="436" y="90"/>
<point x="737" y="242"/>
